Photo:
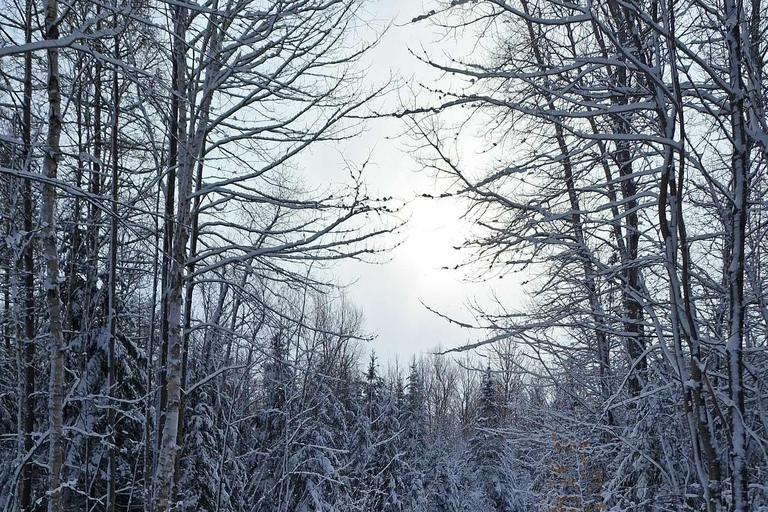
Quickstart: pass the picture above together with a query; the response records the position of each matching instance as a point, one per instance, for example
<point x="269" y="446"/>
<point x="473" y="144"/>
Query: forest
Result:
<point x="174" y="337"/>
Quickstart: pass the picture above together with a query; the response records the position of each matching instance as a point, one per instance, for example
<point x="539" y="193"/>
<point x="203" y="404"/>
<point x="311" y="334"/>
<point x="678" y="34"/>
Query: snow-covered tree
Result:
<point x="490" y="453"/>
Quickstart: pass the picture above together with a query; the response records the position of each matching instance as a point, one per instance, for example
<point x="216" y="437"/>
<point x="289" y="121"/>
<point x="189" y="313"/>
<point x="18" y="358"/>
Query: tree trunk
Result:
<point x="734" y="347"/>
<point x="112" y="298"/>
<point x="194" y="154"/>
<point x="94" y="212"/>
<point x="169" y="448"/>
<point x="27" y="346"/>
<point x="48" y="218"/>
<point x="635" y="341"/>
<point x="176" y="97"/>
<point x="150" y="368"/>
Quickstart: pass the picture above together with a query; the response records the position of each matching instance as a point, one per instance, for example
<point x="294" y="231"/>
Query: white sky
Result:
<point x="390" y="294"/>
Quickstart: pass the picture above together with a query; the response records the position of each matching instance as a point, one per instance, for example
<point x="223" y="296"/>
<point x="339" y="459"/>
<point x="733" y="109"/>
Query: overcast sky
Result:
<point x="391" y="294"/>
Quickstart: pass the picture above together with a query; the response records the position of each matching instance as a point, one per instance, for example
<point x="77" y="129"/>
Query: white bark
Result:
<point x="48" y="220"/>
<point x="169" y="448"/>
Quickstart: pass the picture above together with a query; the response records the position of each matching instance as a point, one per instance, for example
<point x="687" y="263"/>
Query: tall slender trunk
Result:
<point x="69" y="316"/>
<point x="94" y="213"/>
<point x="150" y="367"/>
<point x="635" y="341"/>
<point x="112" y="298"/>
<point x="188" y="295"/>
<point x="733" y="14"/>
<point x="48" y="218"/>
<point x="168" y="446"/>
<point x="27" y="346"/>
<point x="177" y="72"/>
<point x="7" y="320"/>
<point x="684" y="327"/>
<point x="674" y="235"/>
<point x="75" y="247"/>
<point x="194" y="158"/>
<point x="84" y="306"/>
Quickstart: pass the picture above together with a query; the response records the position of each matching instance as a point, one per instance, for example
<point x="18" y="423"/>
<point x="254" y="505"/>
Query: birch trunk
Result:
<point x="169" y="447"/>
<point x="197" y="157"/>
<point x="48" y="219"/>
<point x="177" y="56"/>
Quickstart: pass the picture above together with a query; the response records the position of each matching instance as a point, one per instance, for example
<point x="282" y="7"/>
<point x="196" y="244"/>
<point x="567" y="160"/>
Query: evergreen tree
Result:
<point x="270" y="473"/>
<point x="202" y="440"/>
<point x="445" y="482"/>
<point x="414" y="428"/>
<point x="493" y="470"/>
<point x="381" y="455"/>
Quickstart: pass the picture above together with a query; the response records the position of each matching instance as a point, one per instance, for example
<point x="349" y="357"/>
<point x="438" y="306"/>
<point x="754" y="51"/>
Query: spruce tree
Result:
<point x="414" y="428"/>
<point x="490" y="453"/>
